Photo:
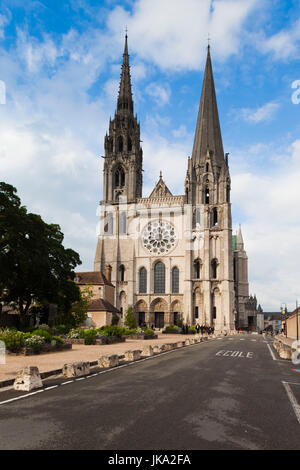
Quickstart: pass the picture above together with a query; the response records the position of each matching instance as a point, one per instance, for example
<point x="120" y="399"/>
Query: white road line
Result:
<point x="271" y="352"/>
<point x="20" y="397"/>
<point x="242" y="339"/>
<point x="92" y="375"/>
<point x="292" y="383"/>
<point x="293" y="400"/>
<point x="254" y="340"/>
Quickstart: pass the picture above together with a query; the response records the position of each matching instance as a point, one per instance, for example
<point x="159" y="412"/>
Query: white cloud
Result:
<point x="284" y="44"/>
<point x="173" y="34"/>
<point x="264" y="113"/>
<point x="4" y="21"/>
<point x="160" y="93"/>
<point x="270" y="204"/>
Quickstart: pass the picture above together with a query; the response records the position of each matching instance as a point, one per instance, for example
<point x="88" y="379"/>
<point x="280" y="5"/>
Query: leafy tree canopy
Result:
<point x="34" y="265"/>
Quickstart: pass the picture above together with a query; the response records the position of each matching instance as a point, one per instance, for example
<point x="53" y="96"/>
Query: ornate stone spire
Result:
<point x="125" y="101"/>
<point x="239" y="239"/>
<point x="208" y="132"/>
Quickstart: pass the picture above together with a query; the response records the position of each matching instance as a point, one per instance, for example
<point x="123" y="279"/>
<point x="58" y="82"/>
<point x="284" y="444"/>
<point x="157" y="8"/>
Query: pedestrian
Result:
<point x="202" y="329"/>
<point x="183" y="329"/>
<point x="197" y="328"/>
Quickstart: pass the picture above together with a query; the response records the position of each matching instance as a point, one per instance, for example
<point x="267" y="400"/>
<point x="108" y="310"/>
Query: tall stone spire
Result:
<point x="208" y="132"/>
<point x="239" y="239"/>
<point x="125" y="101"/>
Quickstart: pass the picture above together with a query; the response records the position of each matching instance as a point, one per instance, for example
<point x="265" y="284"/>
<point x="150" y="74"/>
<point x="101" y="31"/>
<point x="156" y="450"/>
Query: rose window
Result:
<point x="159" y="237"/>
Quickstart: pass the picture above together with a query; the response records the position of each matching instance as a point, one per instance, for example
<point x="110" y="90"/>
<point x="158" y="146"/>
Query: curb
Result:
<point x="45" y="375"/>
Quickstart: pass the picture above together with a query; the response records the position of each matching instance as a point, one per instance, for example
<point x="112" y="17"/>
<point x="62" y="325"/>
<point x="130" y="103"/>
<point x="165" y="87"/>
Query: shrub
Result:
<point x="61" y="329"/>
<point x="45" y="327"/>
<point x="111" y="330"/>
<point x="14" y="340"/>
<point x="57" y="341"/>
<point x="171" y="329"/>
<point x="44" y="334"/>
<point x="90" y="336"/>
<point x="76" y="333"/>
<point x="149" y="333"/>
<point x="130" y="318"/>
<point x="35" y="342"/>
<point x="115" y="319"/>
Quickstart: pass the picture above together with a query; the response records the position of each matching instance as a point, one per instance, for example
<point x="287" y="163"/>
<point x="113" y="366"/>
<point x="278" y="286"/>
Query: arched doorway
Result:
<point x="159" y="313"/>
<point x="176" y="312"/>
<point x="141" y="311"/>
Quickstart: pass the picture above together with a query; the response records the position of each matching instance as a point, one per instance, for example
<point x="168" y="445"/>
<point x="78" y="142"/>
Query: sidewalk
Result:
<point x="79" y="352"/>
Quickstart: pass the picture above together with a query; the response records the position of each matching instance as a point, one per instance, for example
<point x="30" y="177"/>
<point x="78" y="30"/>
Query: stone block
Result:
<point x="285" y="352"/>
<point x="108" y="361"/>
<point x="133" y="355"/>
<point x="28" y="378"/>
<point x="147" y="351"/>
<point x="169" y="346"/>
<point x="187" y="342"/>
<point x="76" y="369"/>
<point x="158" y="348"/>
<point x="180" y="344"/>
<point x="192" y="340"/>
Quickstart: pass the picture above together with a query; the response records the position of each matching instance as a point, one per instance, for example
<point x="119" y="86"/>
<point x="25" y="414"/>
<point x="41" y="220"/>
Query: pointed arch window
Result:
<point x="197" y="268"/>
<point x="109" y="224"/>
<point x="143" y="281"/>
<point x="159" y="278"/>
<point x="214" y="265"/>
<point x="198" y="217"/>
<point x="122" y="273"/>
<point x="120" y="143"/>
<point x="215" y="217"/>
<point x="207" y="195"/>
<point x="175" y="280"/>
<point x="119" y="177"/>
<point x="129" y="144"/>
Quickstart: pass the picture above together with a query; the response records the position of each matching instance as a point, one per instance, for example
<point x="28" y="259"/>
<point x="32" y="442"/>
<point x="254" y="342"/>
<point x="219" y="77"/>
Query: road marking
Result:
<point x="254" y="340"/>
<point x="242" y="354"/>
<point x="292" y="399"/>
<point x="50" y="388"/>
<point x="271" y="352"/>
<point x="20" y="397"/>
<point x="81" y="378"/>
<point x="69" y="382"/>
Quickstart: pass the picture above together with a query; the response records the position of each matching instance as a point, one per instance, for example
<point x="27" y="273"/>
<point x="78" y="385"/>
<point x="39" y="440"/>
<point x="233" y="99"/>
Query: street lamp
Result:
<point x="283" y="313"/>
<point x="297" y="313"/>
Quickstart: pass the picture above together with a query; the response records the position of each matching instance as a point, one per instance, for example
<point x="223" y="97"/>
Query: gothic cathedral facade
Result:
<point x="172" y="256"/>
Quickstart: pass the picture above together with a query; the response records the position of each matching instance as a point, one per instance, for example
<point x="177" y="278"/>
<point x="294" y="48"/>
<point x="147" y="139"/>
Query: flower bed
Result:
<point x="99" y="341"/>
<point x="46" y="348"/>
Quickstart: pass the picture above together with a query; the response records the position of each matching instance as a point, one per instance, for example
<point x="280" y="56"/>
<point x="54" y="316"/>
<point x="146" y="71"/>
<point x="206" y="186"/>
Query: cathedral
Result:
<point x="172" y="257"/>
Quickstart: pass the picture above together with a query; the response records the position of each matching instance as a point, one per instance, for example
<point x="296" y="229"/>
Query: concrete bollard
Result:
<point x="76" y="369"/>
<point x="187" y="342"/>
<point x="180" y="344"/>
<point x="28" y="378"/>
<point x="108" y="361"/>
<point x="158" y="348"/>
<point x="285" y="352"/>
<point x="169" y="346"/>
<point x="131" y="356"/>
<point x="192" y="340"/>
<point x="147" y="351"/>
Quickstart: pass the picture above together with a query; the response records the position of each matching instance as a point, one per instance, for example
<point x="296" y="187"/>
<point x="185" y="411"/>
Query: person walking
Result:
<point x="197" y="328"/>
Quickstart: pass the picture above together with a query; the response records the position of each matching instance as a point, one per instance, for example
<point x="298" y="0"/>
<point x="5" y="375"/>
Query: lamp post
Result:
<point x="283" y="313"/>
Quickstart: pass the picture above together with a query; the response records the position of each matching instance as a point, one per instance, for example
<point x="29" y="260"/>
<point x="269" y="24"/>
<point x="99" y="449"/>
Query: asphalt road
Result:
<point x="222" y="394"/>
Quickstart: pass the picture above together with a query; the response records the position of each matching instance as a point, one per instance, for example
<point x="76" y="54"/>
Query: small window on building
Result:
<point x="197" y="267"/>
<point x="129" y="144"/>
<point x="142" y="281"/>
<point x="175" y="280"/>
<point x="196" y="312"/>
<point x="120" y="143"/>
<point x="122" y="273"/>
<point x="122" y="223"/>
<point x="207" y="196"/>
<point x="215" y="216"/>
<point x="214" y="265"/>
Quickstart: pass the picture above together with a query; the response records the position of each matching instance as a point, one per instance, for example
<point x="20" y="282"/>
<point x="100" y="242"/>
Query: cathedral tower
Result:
<point x="123" y="152"/>
<point x="207" y="190"/>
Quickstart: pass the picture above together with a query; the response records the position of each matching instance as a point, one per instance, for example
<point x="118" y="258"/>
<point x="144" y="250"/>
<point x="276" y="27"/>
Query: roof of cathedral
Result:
<point x="93" y="278"/>
<point x="101" y="305"/>
<point x="161" y="189"/>
<point x="208" y="131"/>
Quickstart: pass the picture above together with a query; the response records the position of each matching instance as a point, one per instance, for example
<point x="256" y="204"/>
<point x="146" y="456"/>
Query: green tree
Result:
<point x="34" y="265"/>
<point x="130" y="319"/>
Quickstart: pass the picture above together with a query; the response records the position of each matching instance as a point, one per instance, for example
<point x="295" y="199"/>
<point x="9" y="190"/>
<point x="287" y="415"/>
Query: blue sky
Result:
<point x="60" y="62"/>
